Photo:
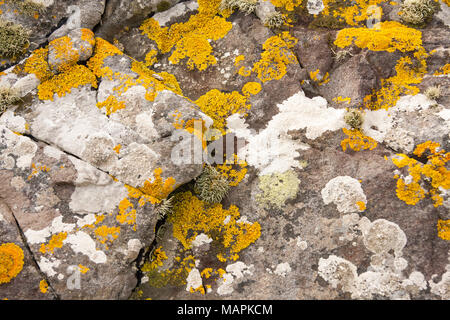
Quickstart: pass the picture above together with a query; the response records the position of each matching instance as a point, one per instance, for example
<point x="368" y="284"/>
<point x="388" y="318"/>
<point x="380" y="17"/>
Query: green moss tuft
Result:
<point x="277" y="188"/>
<point x="211" y="186"/>
<point x="13" y="39"/>
<point x="163" y="6"/>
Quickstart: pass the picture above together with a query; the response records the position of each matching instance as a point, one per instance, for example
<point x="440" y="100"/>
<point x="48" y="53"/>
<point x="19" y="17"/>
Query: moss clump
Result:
<point x="13" y="39"/>
<point x="433" y="92"/>
<point x="417" y="12"/>
<point x="245" y="6"/>
<point x="274" y="20"/>
<point x="354" y="119"/>
<point x="211" y="186"/>
<point x="163" y="6"/>
<point x="277" y="188"/>
<point x="8" y="97"/>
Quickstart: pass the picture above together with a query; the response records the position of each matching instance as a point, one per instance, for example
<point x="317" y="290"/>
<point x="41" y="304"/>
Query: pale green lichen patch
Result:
<point x="277" y="188"/>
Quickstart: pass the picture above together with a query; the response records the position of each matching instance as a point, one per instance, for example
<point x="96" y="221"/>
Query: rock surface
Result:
<point x="122" y="103"/>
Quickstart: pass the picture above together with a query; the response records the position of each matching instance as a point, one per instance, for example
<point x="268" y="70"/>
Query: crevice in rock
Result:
<point x="30" y="252"/>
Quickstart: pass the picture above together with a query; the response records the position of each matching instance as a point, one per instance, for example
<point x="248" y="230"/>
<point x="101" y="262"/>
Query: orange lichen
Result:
<point x="361" y="205"/>
<point x="443" y="227"/>
<point x="275" y="57"/>
<point x="157" y="260"/>
<point x="64" y="52"/>
<point x="433" y="171"/>
<point x="37" y="65"/>
<point x="106" y="234"/>
<point x="157" y="190"/>
<point x="233" y="169"/>
<point x="341" y="99"/>
<point x="117" y="148"/>
<point x="63" y="83"/>
<point x="43" y="286"/>
<point x="190" y="39"/>
<point x="390" y="36"/>
<point x="357" y="141"/>
<point x="83" y="269"/>
<point x="103" y="50"/>
<point x="111" y="104"/>
<point x="11" y="261"/>
<point x="443" y="70"/>
<point x="192" y="216"/>
<point x="56" y="241"/>
<point x="36" y="169"/>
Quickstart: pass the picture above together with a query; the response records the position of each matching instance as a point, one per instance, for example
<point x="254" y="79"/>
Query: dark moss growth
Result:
<point x="163" y="6"/>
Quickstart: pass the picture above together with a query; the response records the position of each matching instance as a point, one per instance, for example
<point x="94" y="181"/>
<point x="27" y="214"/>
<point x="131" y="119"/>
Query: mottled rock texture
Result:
<point x="121" y="103"/>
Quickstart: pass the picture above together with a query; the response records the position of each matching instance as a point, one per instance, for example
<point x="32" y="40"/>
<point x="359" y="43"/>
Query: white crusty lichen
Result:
<point x="273" y="149"/>
<point x="383" y="236"/>
<point x="346" y="193"/>
<point x="338" y="271"/>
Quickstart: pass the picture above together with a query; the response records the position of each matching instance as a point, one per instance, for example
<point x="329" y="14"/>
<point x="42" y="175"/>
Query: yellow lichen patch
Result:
<point x="83" y="269"/>
<point x="106" y="234"/>
<point x="157" y="190"/>
<point x="340" y="99"/>
<point x="390" y="36"/>
<point x="191" y="216"/>
<point x="63" y="83"/>
<point x="288" y="5"/>
<point x="11" y="261"/>
<point x="357" y="141"/>
<point x="400" y="84"/>
<point x="56" y="241"/>
<point x="251" y="88"/>
<point x="157" y="260"/>
<point x="175" y="276"/>
<point x="103" y="49"/>
<point x="275" y="57"/>
<point x="190" y="39"/>
<point x="88" y="36"/>
<point x="150" y="58"/>
<point x="127" y="213"/>
<point x="65" y="54"/>
<point x="411" y="192"/>
<point x="37" y="65"/>
<point x="443" y="227"/>
<point x="234" y="170"/>
<point x="353" y="13"/>
<point x="220" y="105"/>
<point x="36" y="169"/>
<point x="117" y="148"/>
<point x="443" y="70"/>
<point x="43" y="286"/>
<point x="111" y="104"/>
<point x="361" y="205"/>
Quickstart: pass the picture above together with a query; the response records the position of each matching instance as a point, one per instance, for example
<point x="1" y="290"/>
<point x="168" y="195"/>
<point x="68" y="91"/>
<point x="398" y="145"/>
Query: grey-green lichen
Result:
<point x="433" y="92"/>
<point x="8" y="97"/>
<point x="211" y="186"/>
<point x="417" y="12"/>
<point x="28" y="7"/>
<point x="164" y="208"/>
<point x="274" y="20"/>
<point x="277" y="188"/>
<point x="13" y="39"/>
<point x="245" y="6"/>
<point x="354" y="119"/>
